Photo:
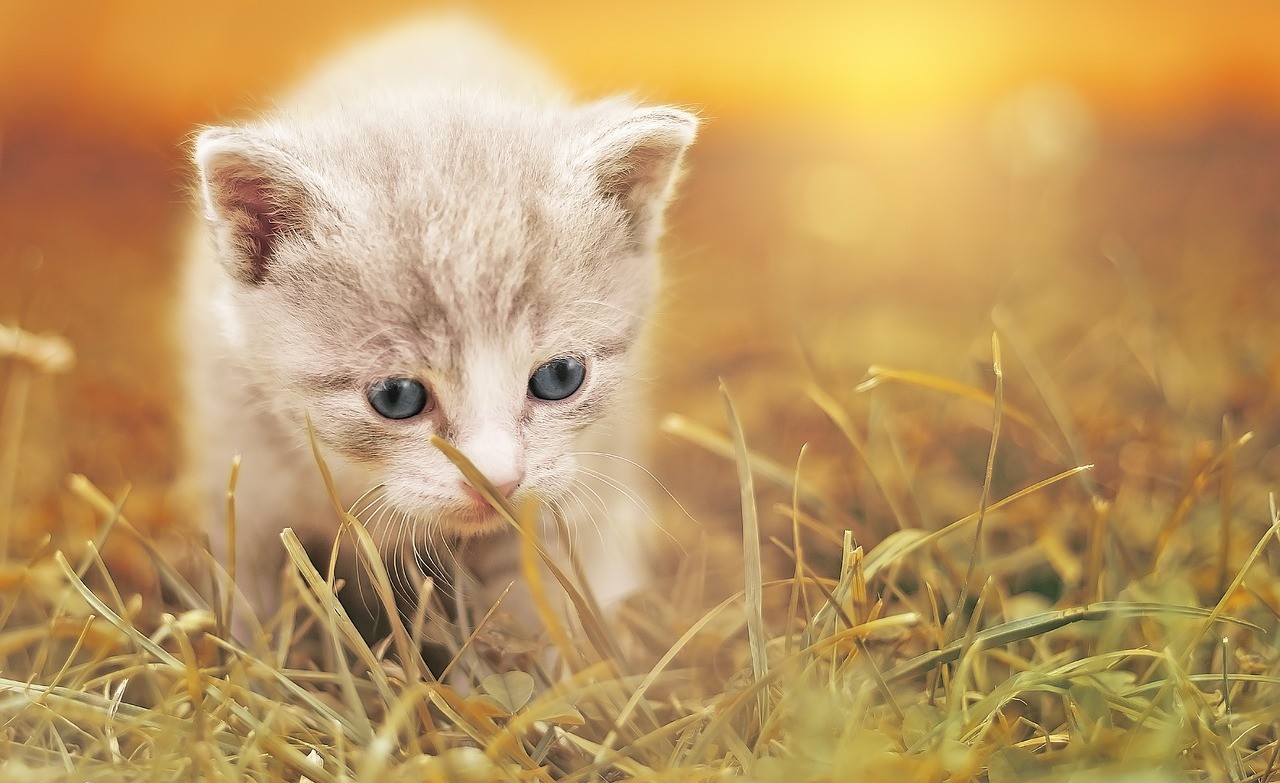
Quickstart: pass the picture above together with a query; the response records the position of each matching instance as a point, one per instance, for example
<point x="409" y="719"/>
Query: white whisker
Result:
<point x="406" y="586"/>
<point x="428" y="557"/>
<point x="652" y="519"/>
<point x="560" y="513"/>
<point x="371" y="495"/>
<point x="615" y="308"/>
<point x="376" y="513"/>
<point x="598" y="502"/>
<point x="621" y="489"/>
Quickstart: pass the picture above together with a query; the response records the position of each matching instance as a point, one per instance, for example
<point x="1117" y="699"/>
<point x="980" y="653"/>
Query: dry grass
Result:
<point x="1058" y="565"/>
<point x="1057" y="630"/>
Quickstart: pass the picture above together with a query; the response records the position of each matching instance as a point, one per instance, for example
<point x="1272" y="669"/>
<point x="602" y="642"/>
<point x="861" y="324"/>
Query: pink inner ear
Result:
<point x="638" y="174"/>
<point x="640" y="182"/>
<point x="258" y="219"/>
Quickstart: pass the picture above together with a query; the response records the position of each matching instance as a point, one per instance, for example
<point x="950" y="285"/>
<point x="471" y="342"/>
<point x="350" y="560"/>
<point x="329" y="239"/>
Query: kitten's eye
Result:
<point x="398" y="398"/>
<point x="557" y="379"/>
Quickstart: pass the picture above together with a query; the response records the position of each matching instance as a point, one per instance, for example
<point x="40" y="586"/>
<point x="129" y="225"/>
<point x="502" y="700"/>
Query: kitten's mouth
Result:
<point x="472" y="518"/>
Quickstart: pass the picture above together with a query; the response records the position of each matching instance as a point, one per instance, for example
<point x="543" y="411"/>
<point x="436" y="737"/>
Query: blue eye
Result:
<point x="558" y="379"/>
<point x="398" y="398"/>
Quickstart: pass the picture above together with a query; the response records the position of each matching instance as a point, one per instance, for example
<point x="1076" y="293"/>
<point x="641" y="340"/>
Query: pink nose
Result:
<point x="506" y="490"/>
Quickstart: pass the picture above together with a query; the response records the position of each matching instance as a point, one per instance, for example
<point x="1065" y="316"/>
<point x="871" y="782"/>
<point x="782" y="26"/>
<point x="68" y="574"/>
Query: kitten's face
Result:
<point x="485" y="284"/>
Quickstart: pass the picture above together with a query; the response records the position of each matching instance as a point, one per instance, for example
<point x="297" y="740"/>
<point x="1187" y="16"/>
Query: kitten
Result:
<point x="426" y="237"/>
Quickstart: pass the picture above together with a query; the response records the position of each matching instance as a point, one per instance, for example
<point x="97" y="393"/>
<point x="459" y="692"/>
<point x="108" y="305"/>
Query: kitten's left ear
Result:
<point x="637" y="162"/>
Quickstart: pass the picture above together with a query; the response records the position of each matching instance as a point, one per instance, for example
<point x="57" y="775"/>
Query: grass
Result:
<point x="1065" y="627"/>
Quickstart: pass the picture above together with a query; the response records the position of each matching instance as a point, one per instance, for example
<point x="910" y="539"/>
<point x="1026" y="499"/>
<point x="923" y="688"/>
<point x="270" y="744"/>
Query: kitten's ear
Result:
<point x="255" y="197"/>
<point x="637" y="161"/>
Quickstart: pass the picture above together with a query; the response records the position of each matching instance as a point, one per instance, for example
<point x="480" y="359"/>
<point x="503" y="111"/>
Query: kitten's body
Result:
<point x="428" y="207"/>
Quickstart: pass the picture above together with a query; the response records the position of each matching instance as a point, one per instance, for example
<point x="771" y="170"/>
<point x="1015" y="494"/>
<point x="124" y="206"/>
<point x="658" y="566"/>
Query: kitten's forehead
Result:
<point x="471" y="198"/>
<point x="403" y="151"/>
<point x="470" y="225"/>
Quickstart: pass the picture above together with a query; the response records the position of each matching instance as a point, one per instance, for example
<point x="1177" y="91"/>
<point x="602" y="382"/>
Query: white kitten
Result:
<point x="425" y="238"/>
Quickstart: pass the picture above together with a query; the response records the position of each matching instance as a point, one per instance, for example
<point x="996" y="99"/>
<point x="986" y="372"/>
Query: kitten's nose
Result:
<point x="506" y="489"/>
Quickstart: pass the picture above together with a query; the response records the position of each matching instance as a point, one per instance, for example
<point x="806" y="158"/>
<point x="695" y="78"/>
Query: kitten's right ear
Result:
<point x="255" y="197"/>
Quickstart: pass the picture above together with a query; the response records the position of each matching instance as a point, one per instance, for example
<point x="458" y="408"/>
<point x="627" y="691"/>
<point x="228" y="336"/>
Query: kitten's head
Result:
<point x="478" y="271"/>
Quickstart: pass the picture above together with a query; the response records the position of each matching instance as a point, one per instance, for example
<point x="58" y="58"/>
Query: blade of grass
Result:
<point x="836" y="412"/>
<point x="172" y="579"/>
<point x="878" y="375"/>
<point x="142" y="641"/>
<point x="342" y="720"/>
<point x="1042" y="381"/>
<point x="904" y="542"/>
<point x="228" y="605"/>
<point x="734" y="701"/>
<point x="529" y="546"/>
<point x="341" y="630"/>
<point x="815" y="526"/>
<point x="797" y="577"/>
<point x="475" y="633"/>
<point x="985" y="498"/>
<point x="1195" y="484"/>
<point x="1225" y="486"/>
<point x="625" y="713"/>
<point x="712" y="441"/>
<point x="386" y="744"/>
<point x="167" y="659"/>
<point x="28" y="354"/>
<point x="369" y="555"/>
<point x="1035" y="625"/>
<point x="753" y="567"/>
<point x="12" y="415"/>
<point x="1220" y="607"/>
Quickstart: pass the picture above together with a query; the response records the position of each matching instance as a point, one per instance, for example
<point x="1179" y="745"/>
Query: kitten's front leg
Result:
<point x="494" y="567"/>
<point x="278" y="487"/>
<point x="259" y="556"/>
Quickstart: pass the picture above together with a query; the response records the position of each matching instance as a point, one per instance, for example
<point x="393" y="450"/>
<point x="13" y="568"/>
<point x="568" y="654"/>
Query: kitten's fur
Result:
<point x="427" y="206"/>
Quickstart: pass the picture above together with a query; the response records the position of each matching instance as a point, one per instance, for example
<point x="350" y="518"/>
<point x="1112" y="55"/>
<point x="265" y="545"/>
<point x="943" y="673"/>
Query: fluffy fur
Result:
<point x="427" y="206"/>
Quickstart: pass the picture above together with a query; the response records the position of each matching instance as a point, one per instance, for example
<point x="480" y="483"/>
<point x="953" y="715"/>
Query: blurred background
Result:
<point x="876" y="183"/>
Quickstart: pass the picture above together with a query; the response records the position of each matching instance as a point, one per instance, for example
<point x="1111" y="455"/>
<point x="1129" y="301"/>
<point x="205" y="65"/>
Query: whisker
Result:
<point x="621" y="489"/>
<point x="559" y="512"/>
<point x="609" y="306"/>
<point x="578" y="484"/>
<point x="617" y="484"/>
<point x="642" y="469"/>
<point x="573" y="524"/>
<point x="404" y="587"/>
<point x="428" y="558"/>
<point x="378" y="516"/>
<point x="636" y="500"/>
<point x="377" y="512"/>
<point x="369" y="493"/>
<point x="454" y="568"/>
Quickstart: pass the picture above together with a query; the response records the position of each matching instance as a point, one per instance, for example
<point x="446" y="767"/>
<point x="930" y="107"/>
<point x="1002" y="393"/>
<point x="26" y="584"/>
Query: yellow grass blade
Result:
<point x="371" y="558"/>
<point x="753" y="568"/>
<point x="878" y="375"/>
<point x="904" y="542"/>
<point x="708" y="439"/>
<point x="1036" y="625"/>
